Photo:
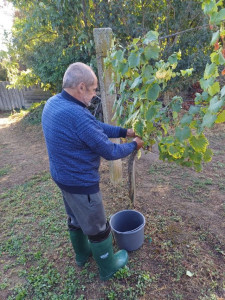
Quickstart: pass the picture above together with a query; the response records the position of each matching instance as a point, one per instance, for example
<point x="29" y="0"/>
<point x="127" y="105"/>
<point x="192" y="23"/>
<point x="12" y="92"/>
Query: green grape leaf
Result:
<point x="207" y="156"/>
<point x="183" y="133"/>
<point x="214" y="89"/>
<point x="208" y="120"/>
<point x="147" y="53"/>
<point x="175" y="115"/>
<point x="215" y="104"/>
<point x="215" y="37"/>
<point x="187" y="72"/>
<point x="136" y="40"/>
<point x="165" y="128"/>
<point x="153" y="92"/>
<point x="221" y="117"/>
<point x="122" y="67"/>
<point x="211" y="71"/>
<point x="136" y="82"/>
<point x="147" y="72"/>
<point x="209" y="7"/>
<point x="150" y="126"/>
<point x="205" y="84"/>
<point x="176" y="151"/>
<point x="198" y="167"/>
<point x="119" y="55"/>
<point x="199" y="143"/>
<point x="218" y="17"/>
<point x="151" y="112"/>
<point x="150" y="37"/>
<point x="138" y="127"/>
<point x="193" y="110"/>
<point x="205" y="96"/>
<point x="221" y="59"/>
<point x="196" y="157"/>
<point x="172" y="59"/>
<point x="152" y="51"/>
<point x="215" y="58"/>
<point x="222" y="91"/>
<point x="134" y="60"/>
<point x="123" y="85"/>
<point x="176" y="106"/>
<point x="186" y="119"/>
<point x="132" y="118"/>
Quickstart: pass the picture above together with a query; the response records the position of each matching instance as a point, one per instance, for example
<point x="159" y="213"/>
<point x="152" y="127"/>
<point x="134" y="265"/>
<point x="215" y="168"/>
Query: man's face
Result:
<point x="90" y="92"/>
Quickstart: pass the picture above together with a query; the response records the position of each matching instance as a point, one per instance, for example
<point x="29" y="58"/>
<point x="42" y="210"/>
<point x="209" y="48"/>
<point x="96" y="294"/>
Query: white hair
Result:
<point x="77" y="73"/>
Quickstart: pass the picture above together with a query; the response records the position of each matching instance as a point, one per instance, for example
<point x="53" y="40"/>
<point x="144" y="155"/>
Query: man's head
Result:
<point x="81" y="82"/>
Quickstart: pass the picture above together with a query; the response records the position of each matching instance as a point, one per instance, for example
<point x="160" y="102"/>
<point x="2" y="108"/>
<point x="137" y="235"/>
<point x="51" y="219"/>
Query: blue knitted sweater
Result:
<point x="75" y="141"/>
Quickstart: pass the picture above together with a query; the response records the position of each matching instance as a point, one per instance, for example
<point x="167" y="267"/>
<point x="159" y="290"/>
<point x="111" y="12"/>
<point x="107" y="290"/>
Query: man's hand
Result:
<point x="139" y="142"/>
<point x="130" y="132"/>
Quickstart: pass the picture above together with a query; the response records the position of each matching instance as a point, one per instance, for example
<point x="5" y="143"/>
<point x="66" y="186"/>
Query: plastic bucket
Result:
<point x="128" y="229"/>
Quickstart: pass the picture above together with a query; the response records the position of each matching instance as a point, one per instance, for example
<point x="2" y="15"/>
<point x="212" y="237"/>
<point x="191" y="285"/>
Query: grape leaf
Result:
<point x="208" y="120"/>
<point x="134" y="60"/>
<point x="215" y="37"/>
<point x="138" y="127"/>
<point x="215" y="105"/>
<point x="136" y="82"/>
<point x="150" y="37"/>
<point x="221" y="117"/>
<point x="213" y="89"/>
<point x="153" y="92"/>
<point x="199" y="143"/>
<point x="183" y="133"/>
<point x="150" y="113"/>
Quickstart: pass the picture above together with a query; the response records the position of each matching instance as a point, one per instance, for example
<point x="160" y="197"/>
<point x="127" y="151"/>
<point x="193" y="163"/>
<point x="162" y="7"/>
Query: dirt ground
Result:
<point x="24" y="153"/>
<point x="162" y="189"/>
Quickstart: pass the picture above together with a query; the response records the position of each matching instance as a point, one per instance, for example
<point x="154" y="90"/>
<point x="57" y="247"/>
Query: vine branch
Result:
<point x="184" y="31"/>
<point x="131" y="178"/>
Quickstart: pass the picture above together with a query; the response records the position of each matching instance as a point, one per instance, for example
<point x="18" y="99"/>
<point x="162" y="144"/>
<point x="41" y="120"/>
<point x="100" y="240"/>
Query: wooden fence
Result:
<point x="24" y="98"/>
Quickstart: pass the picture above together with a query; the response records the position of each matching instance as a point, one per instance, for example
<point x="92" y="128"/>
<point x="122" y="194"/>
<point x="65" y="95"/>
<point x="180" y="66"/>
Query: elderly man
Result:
<point x="75" y="142"/>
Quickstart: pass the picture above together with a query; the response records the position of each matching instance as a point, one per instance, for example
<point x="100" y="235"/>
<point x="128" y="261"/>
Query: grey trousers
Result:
<point x="86" y="212"/>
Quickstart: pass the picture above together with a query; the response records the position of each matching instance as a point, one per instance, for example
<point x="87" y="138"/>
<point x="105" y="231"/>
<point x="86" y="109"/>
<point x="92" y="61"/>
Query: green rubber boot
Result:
<point x="81" y="246"/>
<point x="108" y="262"/>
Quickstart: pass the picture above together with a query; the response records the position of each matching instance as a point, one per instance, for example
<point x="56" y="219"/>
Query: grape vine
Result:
<point x="140" y="77"/>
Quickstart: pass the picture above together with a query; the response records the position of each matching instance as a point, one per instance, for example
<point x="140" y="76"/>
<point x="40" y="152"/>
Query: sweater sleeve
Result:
<point x="113" y="131"/>
<point x="92" y="134"/>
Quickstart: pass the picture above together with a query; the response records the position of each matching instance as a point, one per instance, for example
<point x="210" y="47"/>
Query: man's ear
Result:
<point x="81" y="87"/>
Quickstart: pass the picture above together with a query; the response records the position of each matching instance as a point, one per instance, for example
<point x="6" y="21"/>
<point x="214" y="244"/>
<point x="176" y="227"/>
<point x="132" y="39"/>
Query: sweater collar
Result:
<point x="67" y="96"/>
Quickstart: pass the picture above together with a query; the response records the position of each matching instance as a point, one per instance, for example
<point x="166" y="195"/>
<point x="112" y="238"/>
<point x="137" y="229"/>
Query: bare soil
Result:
<point x="188" y="208"/>
<point x="23" y="151"/>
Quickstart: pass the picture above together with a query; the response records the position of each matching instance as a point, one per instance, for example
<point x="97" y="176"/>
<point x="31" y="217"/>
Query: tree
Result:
<point x="3" y="73"/>
<point x="49" y="35"/>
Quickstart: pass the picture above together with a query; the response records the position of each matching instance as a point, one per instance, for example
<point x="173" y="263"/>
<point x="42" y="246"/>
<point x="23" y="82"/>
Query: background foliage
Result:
<point x="49" y="35"/>
<point x="3" y="74"/>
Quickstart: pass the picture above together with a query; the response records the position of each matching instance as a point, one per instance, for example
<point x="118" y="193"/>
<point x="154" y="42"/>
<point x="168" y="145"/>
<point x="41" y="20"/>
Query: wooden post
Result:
<point x="103" y="42"/>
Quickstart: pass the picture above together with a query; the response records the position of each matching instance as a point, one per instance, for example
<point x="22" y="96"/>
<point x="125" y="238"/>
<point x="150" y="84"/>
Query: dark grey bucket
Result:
<point x="128" y="229"/>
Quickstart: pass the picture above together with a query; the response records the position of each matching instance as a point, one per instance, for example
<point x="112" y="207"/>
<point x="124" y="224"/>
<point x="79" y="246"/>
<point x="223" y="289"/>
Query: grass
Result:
<point x="35" y="247"/>
<point x="5" y="170"/>
<point x="37" y="260"/>
<point x="30" y="116"/>
<point x="33" y="117"/>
